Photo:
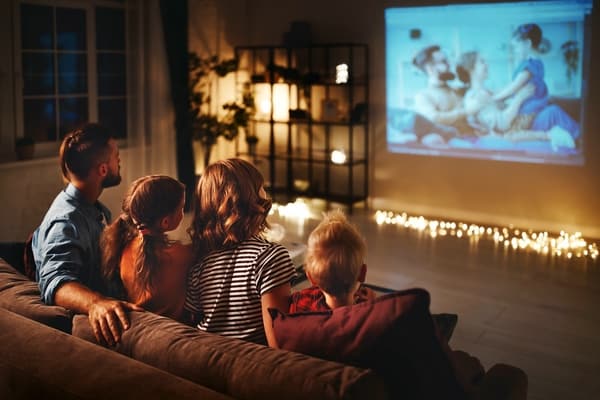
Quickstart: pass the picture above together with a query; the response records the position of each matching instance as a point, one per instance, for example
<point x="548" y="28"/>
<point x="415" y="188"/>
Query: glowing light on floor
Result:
<point x="562" y="245"/>
<point x="297" y="210"/>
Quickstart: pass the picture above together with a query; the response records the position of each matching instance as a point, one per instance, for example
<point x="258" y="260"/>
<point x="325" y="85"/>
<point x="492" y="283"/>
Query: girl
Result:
<point x="495" y="117"/>
<point x="527" y="42"/>
<point x="239" y="274"/>
<point x="152" y="269"/>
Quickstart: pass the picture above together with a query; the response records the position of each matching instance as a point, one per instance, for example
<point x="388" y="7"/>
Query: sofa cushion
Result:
<point x="22" y="296"/>
<point x="42" y="363"/>
<point x="393" y="334"/>
<point x="239" y="369"/>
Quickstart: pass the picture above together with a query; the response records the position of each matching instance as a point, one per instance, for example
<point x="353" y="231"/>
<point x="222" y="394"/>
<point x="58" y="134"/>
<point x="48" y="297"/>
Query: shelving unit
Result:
<point x="305" y="111"/>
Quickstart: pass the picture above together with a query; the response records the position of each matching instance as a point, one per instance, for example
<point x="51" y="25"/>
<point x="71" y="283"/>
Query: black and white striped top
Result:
<point x="226" y="286"/>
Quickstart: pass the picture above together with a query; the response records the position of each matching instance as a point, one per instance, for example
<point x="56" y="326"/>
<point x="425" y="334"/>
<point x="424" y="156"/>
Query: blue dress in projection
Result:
<point x="547" y="115"/>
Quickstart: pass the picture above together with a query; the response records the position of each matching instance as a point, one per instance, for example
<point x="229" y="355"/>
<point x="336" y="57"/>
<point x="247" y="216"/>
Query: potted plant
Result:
<point x="25" y="147"/>
<point x="208" y="126"/>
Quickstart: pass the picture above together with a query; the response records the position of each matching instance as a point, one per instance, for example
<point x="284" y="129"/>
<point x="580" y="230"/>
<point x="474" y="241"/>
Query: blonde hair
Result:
<point x="336" y="252"/>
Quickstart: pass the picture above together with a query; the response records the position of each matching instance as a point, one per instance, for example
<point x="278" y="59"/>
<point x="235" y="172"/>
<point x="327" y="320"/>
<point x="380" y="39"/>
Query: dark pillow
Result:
<point x="22" y="296"/>
<point x="394" y="335"/>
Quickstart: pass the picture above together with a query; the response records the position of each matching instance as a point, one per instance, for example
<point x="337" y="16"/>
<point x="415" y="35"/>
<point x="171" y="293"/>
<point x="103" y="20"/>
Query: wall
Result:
<point x="27" y="188"/>
<point x="526" y="195"/>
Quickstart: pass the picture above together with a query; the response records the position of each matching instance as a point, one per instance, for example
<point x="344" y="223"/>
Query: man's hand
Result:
<point x="108" y="319"/>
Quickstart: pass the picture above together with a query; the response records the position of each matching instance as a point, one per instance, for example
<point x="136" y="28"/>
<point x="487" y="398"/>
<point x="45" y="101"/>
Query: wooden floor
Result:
<point x="536" y="312"/>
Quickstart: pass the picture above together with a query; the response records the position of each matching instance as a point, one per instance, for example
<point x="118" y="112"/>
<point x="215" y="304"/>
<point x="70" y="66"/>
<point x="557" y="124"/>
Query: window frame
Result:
<point x="50" y="148"/>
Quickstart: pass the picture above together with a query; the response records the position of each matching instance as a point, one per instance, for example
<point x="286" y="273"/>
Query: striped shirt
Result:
<point x="225" y="288"/>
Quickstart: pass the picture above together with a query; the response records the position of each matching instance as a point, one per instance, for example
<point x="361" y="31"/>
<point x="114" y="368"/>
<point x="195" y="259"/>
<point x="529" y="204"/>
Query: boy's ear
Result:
<point x="362" y="276"/>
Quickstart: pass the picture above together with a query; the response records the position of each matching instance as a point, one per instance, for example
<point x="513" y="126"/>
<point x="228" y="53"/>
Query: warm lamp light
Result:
<point x="281" y="102"/>
<point x="341" y="73"/>
<point x="338" y="156"/>
<point x="275" y="98"/>
<point x="262" y="96"/>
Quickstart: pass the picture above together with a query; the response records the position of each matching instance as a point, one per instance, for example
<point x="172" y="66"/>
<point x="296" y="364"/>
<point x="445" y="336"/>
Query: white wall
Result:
<point x="527" y="195"/>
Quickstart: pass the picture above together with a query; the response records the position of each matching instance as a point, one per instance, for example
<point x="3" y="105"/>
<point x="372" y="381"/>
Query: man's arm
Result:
<point x="60" y="275"/>
<point x="107" y="316"/>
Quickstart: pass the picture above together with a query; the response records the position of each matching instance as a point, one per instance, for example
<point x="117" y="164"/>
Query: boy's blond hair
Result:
<point x="336" y="252"/>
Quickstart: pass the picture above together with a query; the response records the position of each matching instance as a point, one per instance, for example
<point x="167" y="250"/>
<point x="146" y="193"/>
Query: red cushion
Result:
<point x="393" y="335"/>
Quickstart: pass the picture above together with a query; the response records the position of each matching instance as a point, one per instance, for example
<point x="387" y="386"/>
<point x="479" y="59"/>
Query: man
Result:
<point x="439" y="102"/>
<point x="66" y="244"/>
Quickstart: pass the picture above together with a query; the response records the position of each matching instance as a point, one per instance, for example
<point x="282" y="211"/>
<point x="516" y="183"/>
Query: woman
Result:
<point x="239" y="275"/>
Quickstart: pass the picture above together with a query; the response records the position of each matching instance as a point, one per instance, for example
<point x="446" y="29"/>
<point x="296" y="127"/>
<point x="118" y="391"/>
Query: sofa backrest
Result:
<point x="39" y="362"/>
<point x="239" y="369"/>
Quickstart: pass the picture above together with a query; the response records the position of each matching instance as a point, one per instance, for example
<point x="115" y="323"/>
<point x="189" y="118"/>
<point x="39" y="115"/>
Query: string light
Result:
<point x="298" y="210"/>
<point x="564" y="245"/>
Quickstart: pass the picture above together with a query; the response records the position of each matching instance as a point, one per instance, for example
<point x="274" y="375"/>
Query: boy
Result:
<point x="335" y="267"/>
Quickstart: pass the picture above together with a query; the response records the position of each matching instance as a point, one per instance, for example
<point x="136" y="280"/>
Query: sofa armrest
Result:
<point x="40" y="362"/>
<point x="239" y="369"/>
<point x="22" y="296"/>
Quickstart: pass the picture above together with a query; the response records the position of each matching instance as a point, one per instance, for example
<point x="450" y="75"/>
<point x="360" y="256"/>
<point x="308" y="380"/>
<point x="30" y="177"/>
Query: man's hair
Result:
<point x="82" y="149"/>
<point x="228" y="207"/>
<point x="424" y="56"/>
<point x="336" y="252"/>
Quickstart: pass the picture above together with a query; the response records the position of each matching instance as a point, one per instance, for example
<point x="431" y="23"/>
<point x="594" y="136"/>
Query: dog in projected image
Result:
<point x="519" y="117"/>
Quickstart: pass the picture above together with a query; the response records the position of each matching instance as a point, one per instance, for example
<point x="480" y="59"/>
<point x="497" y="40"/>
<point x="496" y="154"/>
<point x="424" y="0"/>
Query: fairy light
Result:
<point x="297" y="210"/>
<point x="569" y="245"/>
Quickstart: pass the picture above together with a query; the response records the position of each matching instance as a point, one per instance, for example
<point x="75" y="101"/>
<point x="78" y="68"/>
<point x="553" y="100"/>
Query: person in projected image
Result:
<point x="536" y="111"/>
<point x="499" y="118"/>
<point x="439" y="102"/>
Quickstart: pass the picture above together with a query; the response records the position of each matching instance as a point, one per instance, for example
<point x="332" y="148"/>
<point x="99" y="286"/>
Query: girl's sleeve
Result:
<point x="274" y="268"/>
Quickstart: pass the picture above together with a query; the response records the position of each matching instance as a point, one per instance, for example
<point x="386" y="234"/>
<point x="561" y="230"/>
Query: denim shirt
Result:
<point x="66" y="244"/>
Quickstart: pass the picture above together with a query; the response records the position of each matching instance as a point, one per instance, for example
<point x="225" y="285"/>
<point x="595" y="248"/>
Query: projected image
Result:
<point x="503" y="81"/>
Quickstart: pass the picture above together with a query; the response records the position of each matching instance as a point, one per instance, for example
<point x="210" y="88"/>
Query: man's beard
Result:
<point x="446" y="76"/>
<point x="111" y="180"/>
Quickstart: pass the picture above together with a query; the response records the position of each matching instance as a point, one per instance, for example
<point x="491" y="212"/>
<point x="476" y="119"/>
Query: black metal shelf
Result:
<point x="310" y="73"/>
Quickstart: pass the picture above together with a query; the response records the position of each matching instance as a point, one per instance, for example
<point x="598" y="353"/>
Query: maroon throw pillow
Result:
<point x="394" y="335"/>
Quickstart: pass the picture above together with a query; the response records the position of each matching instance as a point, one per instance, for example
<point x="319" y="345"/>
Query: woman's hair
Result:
<point x="82" y="149"/>
<point x="465" y="65"/>
<point x="533" y="32"/>
<point x="148" y="201"/>
<point x="228" y="207"/>
<point x="336" y="252"/>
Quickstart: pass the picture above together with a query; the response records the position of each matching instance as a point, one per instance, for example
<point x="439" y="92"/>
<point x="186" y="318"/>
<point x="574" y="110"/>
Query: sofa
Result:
<point x="46" y="352"/>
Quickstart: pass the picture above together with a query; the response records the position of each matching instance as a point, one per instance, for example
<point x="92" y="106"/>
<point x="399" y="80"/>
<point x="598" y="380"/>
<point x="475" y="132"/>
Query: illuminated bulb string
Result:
<point x="565" y="244"/>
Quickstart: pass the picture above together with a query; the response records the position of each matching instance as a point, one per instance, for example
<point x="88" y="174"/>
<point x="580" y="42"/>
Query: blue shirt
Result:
<point x="66" y="244"/>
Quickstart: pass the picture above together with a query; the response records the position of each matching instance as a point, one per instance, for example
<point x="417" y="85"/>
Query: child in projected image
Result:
<point x="527" y="42"/>
<point x="137" y="252"/>
<point x="494" y="116"/>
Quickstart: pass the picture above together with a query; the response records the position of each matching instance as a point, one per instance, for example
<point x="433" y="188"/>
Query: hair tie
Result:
<point x="144" y="230"/>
